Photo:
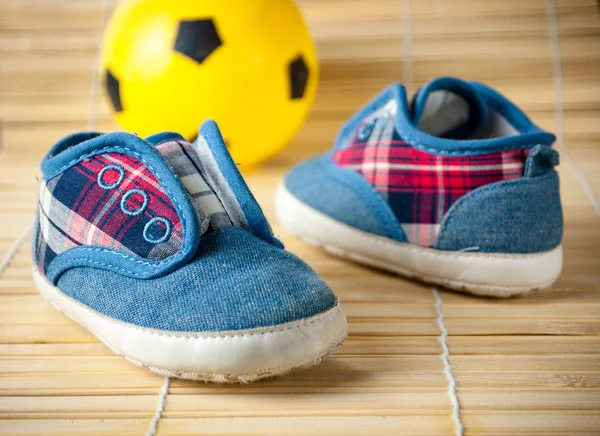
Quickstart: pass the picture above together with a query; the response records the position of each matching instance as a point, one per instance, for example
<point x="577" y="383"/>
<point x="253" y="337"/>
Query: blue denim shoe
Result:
<point x="457" y="188"/>
<point x="163" y="253"/>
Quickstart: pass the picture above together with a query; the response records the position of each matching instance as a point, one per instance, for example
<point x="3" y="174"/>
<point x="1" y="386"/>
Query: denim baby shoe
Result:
<point x="163" y="253"/>
<point x="457" y="188"/>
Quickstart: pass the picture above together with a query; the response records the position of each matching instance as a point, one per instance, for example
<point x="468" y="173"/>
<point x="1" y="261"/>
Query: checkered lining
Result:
<point x="419" y="187"/>
<point x="185" y="163"/>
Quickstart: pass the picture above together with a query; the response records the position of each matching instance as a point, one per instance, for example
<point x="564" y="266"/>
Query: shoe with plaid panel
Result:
<point x="160" y="250"/>
<point x="456" y="188"/>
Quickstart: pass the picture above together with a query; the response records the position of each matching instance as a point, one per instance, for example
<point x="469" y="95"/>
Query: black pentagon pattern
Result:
<point x="298" y="72"/>
<point x="197" y="39"/>
<point x="114" y="91"/>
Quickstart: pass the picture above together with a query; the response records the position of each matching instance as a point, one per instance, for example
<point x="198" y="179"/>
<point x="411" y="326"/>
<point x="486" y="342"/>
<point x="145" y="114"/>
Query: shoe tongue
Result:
<point x="226" y="179"/>
<point x="449" y="108"/>
<point x="185" y="163"/>
<point x="214" y="184"/>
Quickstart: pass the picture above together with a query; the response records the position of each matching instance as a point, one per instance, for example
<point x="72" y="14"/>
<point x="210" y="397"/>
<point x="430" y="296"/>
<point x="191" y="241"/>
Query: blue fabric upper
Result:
<point x="517" y="216"/>
<point x="235" y="281"/>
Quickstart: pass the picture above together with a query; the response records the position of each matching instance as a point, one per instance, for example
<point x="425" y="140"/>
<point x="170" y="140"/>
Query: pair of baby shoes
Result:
<point x="159" y="249"/>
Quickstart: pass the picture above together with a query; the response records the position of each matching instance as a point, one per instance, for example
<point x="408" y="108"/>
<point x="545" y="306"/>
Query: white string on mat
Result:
<point x="445" y="356"/>
<point x="407" y="47"/>
<point x="559" y="110"/>
<point x="14" y="249"/>
<point x="159" y="408"/>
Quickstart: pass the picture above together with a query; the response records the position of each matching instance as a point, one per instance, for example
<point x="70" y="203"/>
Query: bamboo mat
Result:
<point x="528" y="365"/>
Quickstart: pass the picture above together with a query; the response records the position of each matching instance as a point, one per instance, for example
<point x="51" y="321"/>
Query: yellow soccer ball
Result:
<point x="248" y="64"/>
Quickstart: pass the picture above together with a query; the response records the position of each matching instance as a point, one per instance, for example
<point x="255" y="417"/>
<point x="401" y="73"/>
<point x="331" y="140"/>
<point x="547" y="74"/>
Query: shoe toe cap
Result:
<point x="235" y="282"/>
<point x="344" y="195"/>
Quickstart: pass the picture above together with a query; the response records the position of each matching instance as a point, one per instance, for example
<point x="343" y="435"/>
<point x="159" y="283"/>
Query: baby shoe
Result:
<point x="457" y="188"/>
<point x="163" y="253"/>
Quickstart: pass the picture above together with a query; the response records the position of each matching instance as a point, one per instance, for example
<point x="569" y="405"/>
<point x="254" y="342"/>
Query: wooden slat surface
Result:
<point x="528" y="365"/>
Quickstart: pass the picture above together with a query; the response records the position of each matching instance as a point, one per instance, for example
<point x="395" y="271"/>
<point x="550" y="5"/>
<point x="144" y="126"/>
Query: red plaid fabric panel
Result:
<point x="421" y="187"/>
<point x="110" y="200"/>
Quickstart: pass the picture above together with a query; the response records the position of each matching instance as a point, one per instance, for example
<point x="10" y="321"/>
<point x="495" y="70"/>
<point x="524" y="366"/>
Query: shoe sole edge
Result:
<point x="486" y="274"/>
<point x="237" y="356"/>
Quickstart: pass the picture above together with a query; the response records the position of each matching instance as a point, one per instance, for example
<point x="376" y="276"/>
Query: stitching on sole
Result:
<point x="242" y="378"/>
<point x="475" y="288"/>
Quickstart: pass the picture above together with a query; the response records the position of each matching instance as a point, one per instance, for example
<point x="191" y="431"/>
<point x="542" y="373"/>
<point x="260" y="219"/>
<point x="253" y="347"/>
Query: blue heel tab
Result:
<point x="74" y="149"/>
<point x="257" y="223"/>
<point x="541" y="160"/>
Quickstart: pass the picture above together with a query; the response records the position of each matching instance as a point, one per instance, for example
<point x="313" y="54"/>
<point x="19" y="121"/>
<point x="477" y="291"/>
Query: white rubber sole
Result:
<point x="488" y="274"/>
<point x="223" y="357"/>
